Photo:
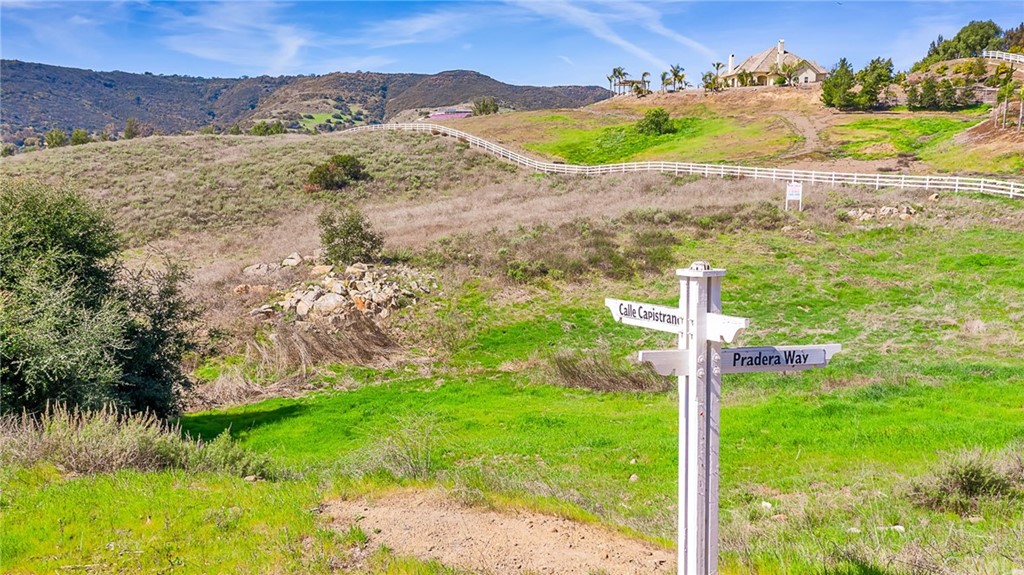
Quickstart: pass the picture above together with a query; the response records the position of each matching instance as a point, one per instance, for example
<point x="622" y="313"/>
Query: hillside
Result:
<point x="509" y="392"/>
<point x="43" y="97"/>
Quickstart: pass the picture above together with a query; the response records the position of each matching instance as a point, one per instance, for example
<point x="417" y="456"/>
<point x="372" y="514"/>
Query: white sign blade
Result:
<point x="777" y="358"/>
<point x="725" y="327"/>
<point x="666" y="361"/>
<point x="651" y="316"/>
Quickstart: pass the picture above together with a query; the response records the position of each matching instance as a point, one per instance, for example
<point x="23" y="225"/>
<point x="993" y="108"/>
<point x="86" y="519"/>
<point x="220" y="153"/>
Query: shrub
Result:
<point x="347" y="236"/>
<point x="132" y="129"/>
<point x="337" y="172"/>
<point x="963" y="479"/>
<point x="8" y="149"/>
<point x="56" y="139"/>
<point x="262" y="128"/>
<point x="484" y="106"/>
<point x="108" y="440"/>
<point x="599" y="372"/>
<point x="655" y="122"/>
<point x="76" y="326"/>
<point x="79" y="137"/>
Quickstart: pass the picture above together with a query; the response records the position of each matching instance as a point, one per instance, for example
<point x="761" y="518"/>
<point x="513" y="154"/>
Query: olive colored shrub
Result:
<point x="347" y="236"/>
<point x="76" y="326"/>
<point x="337" y="172"/>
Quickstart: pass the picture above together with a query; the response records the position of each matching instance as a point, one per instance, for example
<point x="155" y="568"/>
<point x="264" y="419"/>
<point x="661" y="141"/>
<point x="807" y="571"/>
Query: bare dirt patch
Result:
<point x="429" y="525"/>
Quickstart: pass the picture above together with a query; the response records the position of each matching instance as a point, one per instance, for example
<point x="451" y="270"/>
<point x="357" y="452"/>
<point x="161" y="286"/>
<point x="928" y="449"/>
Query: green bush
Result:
<point x="79" y="137"/>
<point x="655" y="122"/>
<point x="484" y="106"/>
<point x="56" y="139"/>
<point x="262" y="128"/>
<point x="347" y="236"/>
<point x="337" y="172"/>
<point x="76" y="326"/>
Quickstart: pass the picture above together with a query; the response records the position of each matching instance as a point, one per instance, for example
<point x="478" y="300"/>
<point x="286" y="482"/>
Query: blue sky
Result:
<point x="529" y="42"/>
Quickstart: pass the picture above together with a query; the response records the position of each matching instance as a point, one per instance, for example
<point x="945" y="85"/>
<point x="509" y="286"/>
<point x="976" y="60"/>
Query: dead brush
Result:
<point x="291" y="348"/>
<point x="598" y="371"/>
<point x="282" y="363"/>
<point x="107" y="440"/>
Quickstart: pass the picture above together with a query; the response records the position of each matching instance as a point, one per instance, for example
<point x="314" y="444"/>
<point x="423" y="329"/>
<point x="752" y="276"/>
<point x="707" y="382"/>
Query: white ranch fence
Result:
<point x="947" y="183"/>
<point x="1007" y="56"/>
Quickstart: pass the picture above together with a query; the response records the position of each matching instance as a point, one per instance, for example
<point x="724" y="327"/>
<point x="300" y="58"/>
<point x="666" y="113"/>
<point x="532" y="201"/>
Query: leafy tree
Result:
<point x="836" y="90"/>
<point x="969" y="42"/>
<point x="873" y="79"/>
<point x="1013" y="39"/>
<point x="56" y="138"/>
<point x="655" y="122"/>
<point x="75" y="325"/>
<point x="485" y="106"/>
<point x="929" y="99"/>
<point x="131" y="128"/>
<point x="348" y="237"/>
<point x="79" y="137"/>
<point x="947" y="97"/>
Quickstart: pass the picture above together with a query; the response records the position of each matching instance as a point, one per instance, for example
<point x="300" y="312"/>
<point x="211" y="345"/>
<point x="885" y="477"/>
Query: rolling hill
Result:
<point x="44" y="97"/>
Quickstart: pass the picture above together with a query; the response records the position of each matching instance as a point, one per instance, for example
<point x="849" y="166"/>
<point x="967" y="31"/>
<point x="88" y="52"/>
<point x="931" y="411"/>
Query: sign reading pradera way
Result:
<point x="699" y="362"/>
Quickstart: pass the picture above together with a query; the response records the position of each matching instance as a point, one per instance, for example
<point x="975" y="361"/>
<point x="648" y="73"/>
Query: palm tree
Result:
<point x="666" y="80"/>
<point x="789" y="73"/>
<point x="1020" y="110"/>
<point x="611" y="81"/>
<point x="745" y="78"/>
<point x="644" y="79"/>
<point x="619" y="74"/>
<point x="676" y="72"/>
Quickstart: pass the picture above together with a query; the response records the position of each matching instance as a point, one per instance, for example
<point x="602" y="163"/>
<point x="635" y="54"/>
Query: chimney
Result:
<point x="780" y="52"/>
<point x="732" y="62"/>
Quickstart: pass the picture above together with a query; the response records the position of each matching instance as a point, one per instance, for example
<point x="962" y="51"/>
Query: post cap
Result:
<point x="700" y="269"/>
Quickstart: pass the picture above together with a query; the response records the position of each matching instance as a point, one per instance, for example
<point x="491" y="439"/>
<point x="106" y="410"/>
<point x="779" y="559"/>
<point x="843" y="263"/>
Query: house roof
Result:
<point x="762" y="62"/>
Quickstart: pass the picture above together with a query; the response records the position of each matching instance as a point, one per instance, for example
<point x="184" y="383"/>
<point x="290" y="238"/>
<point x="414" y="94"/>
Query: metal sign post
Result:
<point x="699" y="362"/>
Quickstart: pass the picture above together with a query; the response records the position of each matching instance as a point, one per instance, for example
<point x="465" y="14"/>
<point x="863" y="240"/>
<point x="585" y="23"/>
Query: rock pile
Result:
<point x="865" y="214"/>
<point x="365" y="288"/>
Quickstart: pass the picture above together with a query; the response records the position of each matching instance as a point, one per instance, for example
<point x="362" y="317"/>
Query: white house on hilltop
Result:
<point x="763" y="68"/>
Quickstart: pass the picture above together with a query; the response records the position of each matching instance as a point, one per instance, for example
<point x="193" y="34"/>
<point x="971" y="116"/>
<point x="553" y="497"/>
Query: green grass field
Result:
<point x="695" y="139"/>
<point x="928" y="315"/>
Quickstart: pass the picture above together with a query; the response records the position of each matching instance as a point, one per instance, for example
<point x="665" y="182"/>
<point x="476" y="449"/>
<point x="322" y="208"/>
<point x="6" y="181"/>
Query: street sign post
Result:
<point x="699" y="362"/>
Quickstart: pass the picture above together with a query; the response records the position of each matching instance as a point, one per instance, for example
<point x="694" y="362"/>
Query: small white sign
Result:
<point x="777" y="358"/>
<point x="649" y="315"/>
<point x="795" y="193"/>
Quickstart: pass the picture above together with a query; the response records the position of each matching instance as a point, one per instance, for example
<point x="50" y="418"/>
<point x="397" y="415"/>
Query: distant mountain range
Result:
<point x="44" y="97"/>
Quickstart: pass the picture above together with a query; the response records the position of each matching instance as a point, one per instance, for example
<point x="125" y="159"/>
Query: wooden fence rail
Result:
<point x="1006" y="56"/>
<point x="943" y="183"/>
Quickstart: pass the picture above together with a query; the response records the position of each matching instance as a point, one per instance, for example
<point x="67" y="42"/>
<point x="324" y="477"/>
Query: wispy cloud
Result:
<point x="599" y="24"/>
<point x="430" y="27"/>
<point x="651" y="19"/>
<point x="240" y="33"/>
<point x="567" y="60"/>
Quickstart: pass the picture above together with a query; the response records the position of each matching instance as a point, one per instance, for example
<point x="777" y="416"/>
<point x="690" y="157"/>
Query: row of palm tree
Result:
<point x="619" y="82"/>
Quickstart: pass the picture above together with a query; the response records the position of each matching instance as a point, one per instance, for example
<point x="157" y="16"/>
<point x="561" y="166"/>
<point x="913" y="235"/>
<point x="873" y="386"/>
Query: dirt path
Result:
<point x="429" y="525"/>
<point x="806" y="128"/>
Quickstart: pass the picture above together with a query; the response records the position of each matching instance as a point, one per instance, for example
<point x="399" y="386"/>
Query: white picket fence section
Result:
<point x="945" y="183"/>
<point x="1006" y="56"/>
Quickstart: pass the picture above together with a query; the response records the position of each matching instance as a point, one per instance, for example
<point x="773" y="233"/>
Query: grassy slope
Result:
<point x="926" y="312"/>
